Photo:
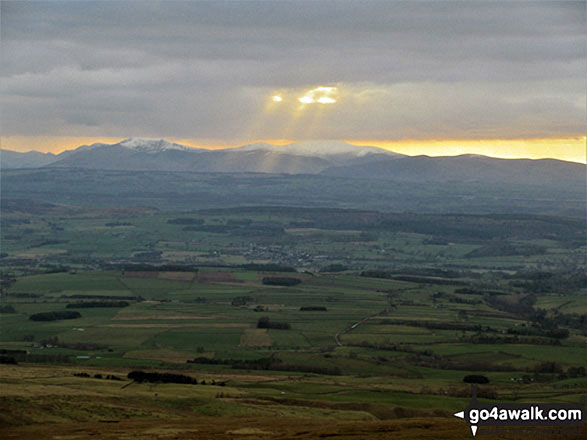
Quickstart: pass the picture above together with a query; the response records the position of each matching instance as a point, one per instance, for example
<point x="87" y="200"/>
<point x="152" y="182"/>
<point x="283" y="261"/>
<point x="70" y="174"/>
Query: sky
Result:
<point x="500" y="78"/>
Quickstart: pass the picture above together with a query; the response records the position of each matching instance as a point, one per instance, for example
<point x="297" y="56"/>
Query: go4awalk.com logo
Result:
<point x="521" y="414"/>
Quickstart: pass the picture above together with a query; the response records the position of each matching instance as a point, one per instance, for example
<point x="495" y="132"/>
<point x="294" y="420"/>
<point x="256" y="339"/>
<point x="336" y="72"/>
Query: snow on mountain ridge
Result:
<point x="316" y="148"/>
<point x="334" y="151"/>
<point x="152" y="145"/>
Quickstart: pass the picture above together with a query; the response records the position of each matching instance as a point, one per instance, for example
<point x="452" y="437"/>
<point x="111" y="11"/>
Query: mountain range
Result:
<point x="329" y="158"/>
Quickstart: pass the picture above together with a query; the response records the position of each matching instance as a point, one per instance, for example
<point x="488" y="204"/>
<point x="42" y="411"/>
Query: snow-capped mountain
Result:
<point x="152" y="145"/>
<point x="318" y="149"/>
<point x="135" y="153"/>
<point x="328" y="158"/>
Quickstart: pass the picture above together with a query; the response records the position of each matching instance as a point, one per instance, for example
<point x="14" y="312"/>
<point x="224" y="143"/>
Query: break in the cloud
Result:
<point x="207" y="70"/>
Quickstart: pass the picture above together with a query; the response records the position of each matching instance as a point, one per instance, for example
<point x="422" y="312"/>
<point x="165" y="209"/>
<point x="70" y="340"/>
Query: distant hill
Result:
<point x="136" y="154"/>
<point x="32" y="159"/>
<point x="184" y="191"/>
<point x="327" y="158"/>
<point x="465" y="168"/>
<point x="161" y="174"/>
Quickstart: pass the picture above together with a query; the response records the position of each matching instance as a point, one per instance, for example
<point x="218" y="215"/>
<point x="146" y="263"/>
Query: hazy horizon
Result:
<point x="571" y="150"/>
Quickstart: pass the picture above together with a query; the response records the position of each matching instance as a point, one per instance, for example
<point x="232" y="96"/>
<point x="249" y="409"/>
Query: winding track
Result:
<point x="349" y="328"/>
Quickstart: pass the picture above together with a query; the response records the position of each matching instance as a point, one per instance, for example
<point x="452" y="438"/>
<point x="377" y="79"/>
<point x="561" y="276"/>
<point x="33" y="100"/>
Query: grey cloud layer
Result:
<point x="204" y="69"/>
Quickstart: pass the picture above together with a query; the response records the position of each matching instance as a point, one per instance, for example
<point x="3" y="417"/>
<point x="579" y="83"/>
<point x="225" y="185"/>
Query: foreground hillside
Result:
<point x="343" y="355"/>
<point x="58" y="405"/>
<point x="129" y="322"/>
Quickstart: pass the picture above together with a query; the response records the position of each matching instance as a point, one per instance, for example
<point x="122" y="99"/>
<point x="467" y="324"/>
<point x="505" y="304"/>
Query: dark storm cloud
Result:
<point x="204" y="69"/>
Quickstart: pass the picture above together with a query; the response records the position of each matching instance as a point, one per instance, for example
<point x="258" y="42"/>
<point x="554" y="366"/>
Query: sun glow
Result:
<point x="306" y="100"/>
<point x="326" y="100"/>
<point x="317" y="95"/>
<point x="320" y="95"/>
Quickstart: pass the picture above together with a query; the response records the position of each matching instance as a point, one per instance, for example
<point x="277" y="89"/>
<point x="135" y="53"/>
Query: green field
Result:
<point x="410" y="308"/>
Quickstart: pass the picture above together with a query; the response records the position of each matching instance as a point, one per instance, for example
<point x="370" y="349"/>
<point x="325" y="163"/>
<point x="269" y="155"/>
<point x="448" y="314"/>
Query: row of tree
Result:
<point x="265" y="322"/>
<point x="281" y="281"/>
<point x="55" y="316"/>
<point x="267" y="363"/>
<point x="142" y="376"/>
<point x="94" y="304"/>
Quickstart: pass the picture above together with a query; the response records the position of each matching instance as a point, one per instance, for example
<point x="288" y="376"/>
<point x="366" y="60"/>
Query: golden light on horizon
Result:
<point x="277" y="98"/>
<point x="570" y="148"/>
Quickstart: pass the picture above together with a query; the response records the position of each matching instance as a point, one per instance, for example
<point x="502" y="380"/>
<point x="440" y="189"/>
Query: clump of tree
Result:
<point x="112" y="377"/>
<point x="265" y="322"/>
<point x="43" y="358"/>
<point x="521" y="305"/>
<point x="558" y="333"/>
<point x="56" y="269"/>
<point x="159" y="268"/>
<point x="185" y="221"/>
<point x="545" y="282"/>
<point x="281" y="281"/>
<point x="242" y="300"/>
<point x="104" y="297"/>
<point x="93" y="304"/>
<point x="114" y="224"/>
<point x="551" y="320"/>
<point x="435" y="325"/>
<point x="548" y="367"/>
<point x="26" y="295"/>
<point x="266" y="363"/>
<point x="454" y="298"/>
<point x="7" y="309"/>
<point x="331" y="371"/>
<point x="503" y="250"/>
<point x="214" y="229"/>
<point x="476" y="378"/>
<point x="574" y="372"/>
<point x="334" y="268"/>
<point x="239" y="221"/>
<point x="51" y="341"/>
<point x="431" y="272"/>
<point x="98" y="376"/>
<point x="84" y="346"/>
<point x="423" y="280"/>
<point x="11" y="352"/>
<point x="148" y="256"/>
<point x="55" y="316"/>
<point x="313" y="309"/>
<point x="142" y="376"/>
<point x="417" y="276"/>
<point x="249" y="364"/>
<point x="376" y="274"/>
<point x="495" y="339"/>
<point x="10" y="360"/>
<point x="269" y="267"/>
<point x="468" y="291"/>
